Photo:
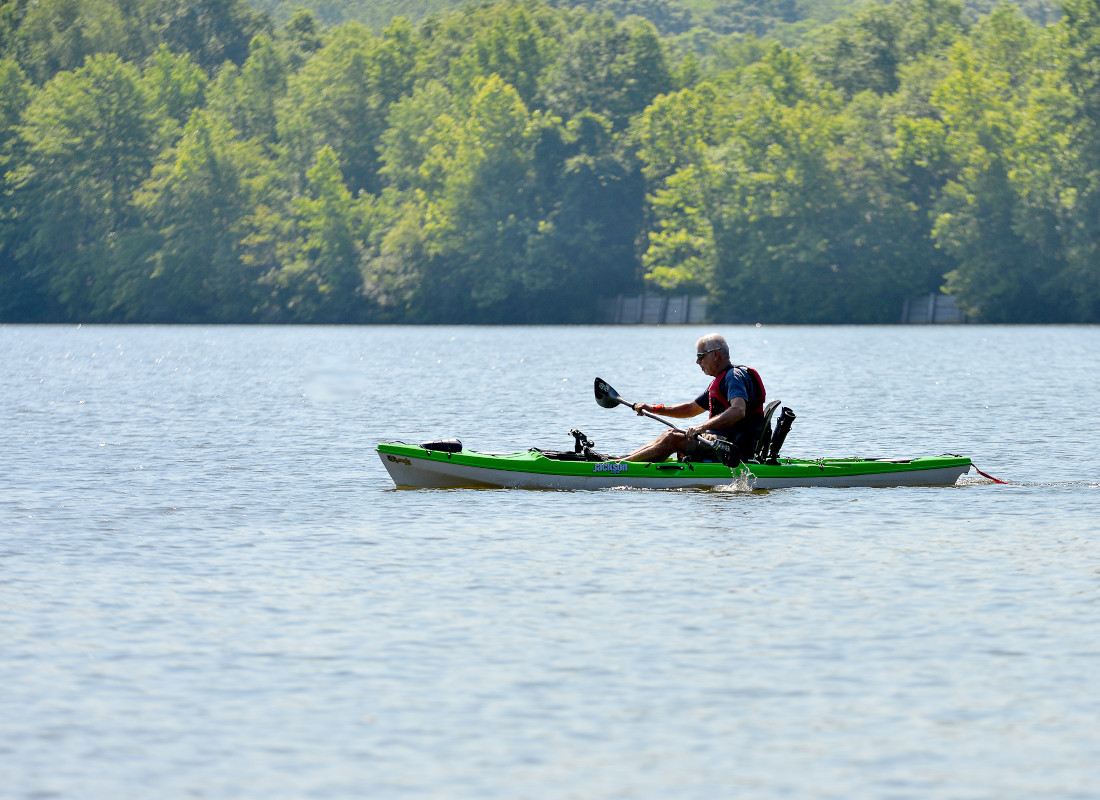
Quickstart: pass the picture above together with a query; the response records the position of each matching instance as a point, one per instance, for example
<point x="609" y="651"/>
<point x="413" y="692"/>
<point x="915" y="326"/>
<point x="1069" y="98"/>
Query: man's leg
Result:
<point x="660" y="448"/>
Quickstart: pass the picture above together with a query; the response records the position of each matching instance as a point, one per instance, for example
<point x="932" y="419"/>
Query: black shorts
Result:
<point x="698" y="450"/>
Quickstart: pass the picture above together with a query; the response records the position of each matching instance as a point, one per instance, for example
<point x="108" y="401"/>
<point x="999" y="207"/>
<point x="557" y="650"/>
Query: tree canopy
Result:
<point x="193" y="161"/>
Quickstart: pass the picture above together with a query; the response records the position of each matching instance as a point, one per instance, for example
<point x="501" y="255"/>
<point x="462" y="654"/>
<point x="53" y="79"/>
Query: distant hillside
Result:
<point x="758" y="17"/>
<point x="374" y="13"/>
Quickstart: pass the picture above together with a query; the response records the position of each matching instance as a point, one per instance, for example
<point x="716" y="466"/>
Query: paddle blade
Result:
<point x="605" y="395"/>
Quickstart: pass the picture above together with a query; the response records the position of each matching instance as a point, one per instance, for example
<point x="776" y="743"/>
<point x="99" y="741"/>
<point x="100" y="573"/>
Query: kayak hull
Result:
<point x="411" y="466"/>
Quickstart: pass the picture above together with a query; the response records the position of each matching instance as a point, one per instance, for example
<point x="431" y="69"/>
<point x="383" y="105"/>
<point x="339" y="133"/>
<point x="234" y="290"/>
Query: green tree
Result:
<point x="15" y="95"/>
<point x="866" y="51"/>
<point x="588" y="197"/>
<point x="682" y="253"/>
<point x="59" y="36"/>
<point x="325" y="282"/>
<point x="199" y="207"/>
<point x="469" y="240"/>
<point x="508" y="43"/>
<point x="23" y="296"/>
<point x="782" y="220"/>
<point x="1080" y="279"/>
<point x="210" y="31"/>
<point x="678" y="129"/>
<point x="793" y="218"/>
<point x="999" y="274"/>
<point x="675" y="137"/>
<point x="175" y="85"/>
<point x="416" y="125"/>
<point x="611" y="69"/>
<point x="90" y="138"/>
<point x="56" y="36"/>
<point x="301" y="39"/>
<point x="341" y="99"/>
<point x="260" y="84"/>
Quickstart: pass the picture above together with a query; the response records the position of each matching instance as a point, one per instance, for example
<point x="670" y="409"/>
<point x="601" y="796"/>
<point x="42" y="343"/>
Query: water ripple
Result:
<point x="208" y="586"/>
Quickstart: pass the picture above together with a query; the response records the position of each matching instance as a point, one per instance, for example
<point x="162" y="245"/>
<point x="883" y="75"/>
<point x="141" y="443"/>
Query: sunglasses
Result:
<point x="700" y="356"/>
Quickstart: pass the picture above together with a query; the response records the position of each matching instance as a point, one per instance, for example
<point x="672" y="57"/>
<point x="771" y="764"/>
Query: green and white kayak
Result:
<point x="414" y="466"/>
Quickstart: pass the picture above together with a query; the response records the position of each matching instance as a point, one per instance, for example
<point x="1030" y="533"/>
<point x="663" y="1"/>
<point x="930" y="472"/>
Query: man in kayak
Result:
<point x="735" y="400"/>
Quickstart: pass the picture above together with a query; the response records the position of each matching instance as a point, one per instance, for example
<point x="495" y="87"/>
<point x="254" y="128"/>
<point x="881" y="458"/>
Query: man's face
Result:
<point x="707" y="359"/>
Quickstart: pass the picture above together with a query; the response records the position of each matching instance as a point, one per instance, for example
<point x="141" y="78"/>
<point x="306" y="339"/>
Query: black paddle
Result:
<point x="607" y="397"/>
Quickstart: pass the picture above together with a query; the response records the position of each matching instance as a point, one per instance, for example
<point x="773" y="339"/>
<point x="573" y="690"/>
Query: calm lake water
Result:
<point x="209" y="587"/>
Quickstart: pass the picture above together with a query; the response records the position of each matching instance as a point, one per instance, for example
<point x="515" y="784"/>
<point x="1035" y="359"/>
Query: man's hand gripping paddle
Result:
<point x="607" y="397"/>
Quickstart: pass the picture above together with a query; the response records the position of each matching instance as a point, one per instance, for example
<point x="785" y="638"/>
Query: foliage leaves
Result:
<point x="184" y="160"/>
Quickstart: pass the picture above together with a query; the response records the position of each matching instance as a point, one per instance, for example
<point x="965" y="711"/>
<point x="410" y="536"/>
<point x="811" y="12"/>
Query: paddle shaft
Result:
<point x="659" y="419"/>
<point x="654" y="416"/>
<point x="607" y="397"/>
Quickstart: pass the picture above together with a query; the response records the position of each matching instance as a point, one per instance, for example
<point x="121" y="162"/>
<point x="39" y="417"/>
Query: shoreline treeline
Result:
<point x="187" y="161"/>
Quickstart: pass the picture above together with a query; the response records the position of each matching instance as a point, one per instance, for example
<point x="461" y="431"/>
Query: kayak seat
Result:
<point x="770" y="441"/>
<point x="760" y="452"/>
<point x="782" y="428"/>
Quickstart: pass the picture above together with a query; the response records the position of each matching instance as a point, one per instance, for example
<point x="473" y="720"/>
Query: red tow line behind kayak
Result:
<point x="990" y="477"/>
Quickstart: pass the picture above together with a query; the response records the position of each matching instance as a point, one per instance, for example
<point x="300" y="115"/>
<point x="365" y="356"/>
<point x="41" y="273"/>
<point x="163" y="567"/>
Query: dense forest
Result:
<point x="199" y="161"/>
<point x="784" y="20"/>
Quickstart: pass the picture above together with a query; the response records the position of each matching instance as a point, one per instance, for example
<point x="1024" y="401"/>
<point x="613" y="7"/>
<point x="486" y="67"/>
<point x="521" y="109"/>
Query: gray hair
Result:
<point x="713" y="341"/>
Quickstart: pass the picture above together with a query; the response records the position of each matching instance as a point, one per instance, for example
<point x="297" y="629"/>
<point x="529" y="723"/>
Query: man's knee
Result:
<point x="675" y="439"/>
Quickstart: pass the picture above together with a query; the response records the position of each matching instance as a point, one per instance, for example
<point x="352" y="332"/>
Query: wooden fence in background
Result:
<point x="930" y="309"/>
<point x="654" y="309"/>
<point x="659" y="309"/>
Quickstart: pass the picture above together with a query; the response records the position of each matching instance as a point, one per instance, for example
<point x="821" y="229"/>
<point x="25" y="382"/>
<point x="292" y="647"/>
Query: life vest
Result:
<point x="754" y="405"/>
<point x="744" y="433"/>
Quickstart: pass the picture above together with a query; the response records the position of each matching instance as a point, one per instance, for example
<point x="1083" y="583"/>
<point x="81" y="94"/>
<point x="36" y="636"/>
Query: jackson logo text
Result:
<point x="610" y="466"/>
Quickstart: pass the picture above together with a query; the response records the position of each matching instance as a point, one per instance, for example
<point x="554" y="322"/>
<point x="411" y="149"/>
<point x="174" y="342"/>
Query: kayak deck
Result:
<point x="416" y="467"/>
